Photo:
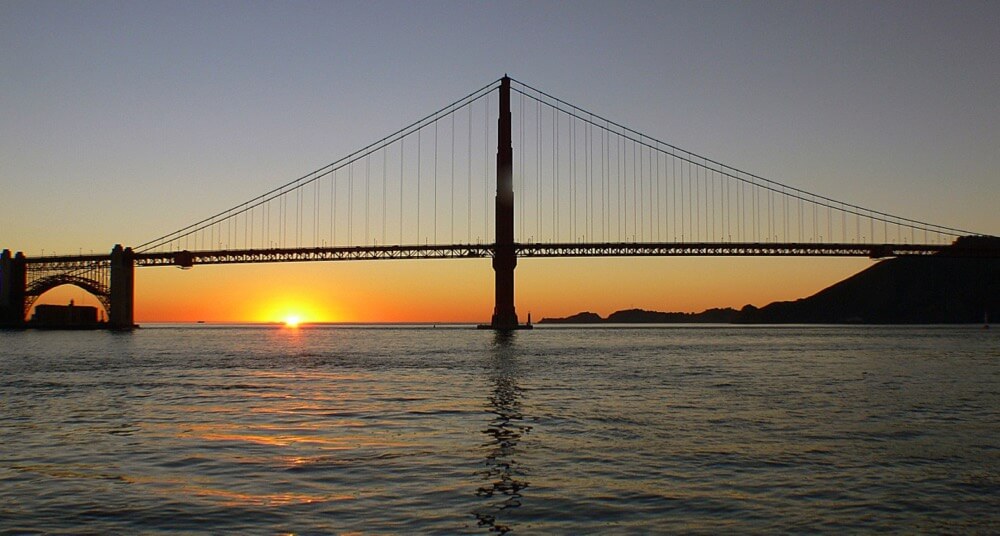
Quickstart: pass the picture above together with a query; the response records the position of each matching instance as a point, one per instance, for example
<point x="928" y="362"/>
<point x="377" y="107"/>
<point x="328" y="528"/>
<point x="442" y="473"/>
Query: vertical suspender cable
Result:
<point x="555" y="182"/>
<point x="385" y="164"/>
<point x="469" y="178"/>
<point x="486" y="173"/>
<point x="697" y="203"/>
<point x="315" y="221"/>
<point x="435" y="219"/>
<point x="350" y="204"/>
<point x="661" y="196"/>
<point x="555" y="161"/>
<point x="727" y="208"/>
<point x="770" y="215"/>
<point x="538" y="170"/>
<point x="333" y="207"/>
<point x="619" y="178"/>
<point x="673" y="184"/>
<point x="420" y="150"/>
<point x="635" y="194"/>
<point x="574" y="182"/>
<point x="605" y="194"/>
<point x="711" y="178"/>
<point x="640" y="192"/>
<point x="402" y="141"/>
<point x="451" y="211"/>
<point x="368" y="182"/>
<point x="829" y="223"/>
<point x="815" y="210"/>
<point x="521" y="180"/>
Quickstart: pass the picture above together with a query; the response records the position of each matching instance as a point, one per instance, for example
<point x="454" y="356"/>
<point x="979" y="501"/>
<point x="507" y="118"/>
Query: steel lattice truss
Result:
<point x="726" y="250"/>
<point x="473" y="251"/>
<point x="357" y="253"/>
<point x="89" y="272"/>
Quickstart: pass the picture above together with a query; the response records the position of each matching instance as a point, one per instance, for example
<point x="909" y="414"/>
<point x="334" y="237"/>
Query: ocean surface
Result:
<point x="450" y="430"/>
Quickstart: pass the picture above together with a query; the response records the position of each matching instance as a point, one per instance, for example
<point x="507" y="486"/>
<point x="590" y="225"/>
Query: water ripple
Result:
<point x="332" y="430"/>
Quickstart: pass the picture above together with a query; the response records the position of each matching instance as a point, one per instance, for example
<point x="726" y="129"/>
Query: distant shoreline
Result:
<point x="900" y="291"/>
<point x="640" y="317"/>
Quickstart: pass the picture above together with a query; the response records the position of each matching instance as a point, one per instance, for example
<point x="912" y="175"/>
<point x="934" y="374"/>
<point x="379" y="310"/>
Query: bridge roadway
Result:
<point x="110" y="277"/>
<point x="466" y="251"/>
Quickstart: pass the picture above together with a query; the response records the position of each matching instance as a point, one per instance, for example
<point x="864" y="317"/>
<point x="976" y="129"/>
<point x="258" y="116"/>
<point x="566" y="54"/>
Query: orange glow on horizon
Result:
<point x="462" y="290"/>
<point x="294" y="310"/>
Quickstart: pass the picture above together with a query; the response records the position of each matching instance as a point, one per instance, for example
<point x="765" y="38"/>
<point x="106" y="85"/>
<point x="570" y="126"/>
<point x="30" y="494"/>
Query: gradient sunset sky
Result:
<point x="122" y="121"/>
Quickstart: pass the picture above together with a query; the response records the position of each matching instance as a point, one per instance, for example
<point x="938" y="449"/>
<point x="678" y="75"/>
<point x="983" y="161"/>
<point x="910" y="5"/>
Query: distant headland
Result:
<point x="904" y="290"/>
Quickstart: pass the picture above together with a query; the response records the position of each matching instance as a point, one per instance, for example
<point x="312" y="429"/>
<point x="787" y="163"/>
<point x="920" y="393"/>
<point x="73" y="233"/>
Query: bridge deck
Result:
<point x="474" y="251"/>
<point x="467" y="251"/>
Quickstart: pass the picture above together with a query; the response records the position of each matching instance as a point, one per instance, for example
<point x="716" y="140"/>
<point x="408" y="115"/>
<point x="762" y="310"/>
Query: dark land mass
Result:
<point x="641" y="316"/>
<point x="906" y="290"/>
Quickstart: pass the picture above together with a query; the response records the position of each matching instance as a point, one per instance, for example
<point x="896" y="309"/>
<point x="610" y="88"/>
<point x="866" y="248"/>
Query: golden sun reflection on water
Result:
<point x="204" y="487"/>
<point x="285" y="436"/>
<point x="236" y="498"/>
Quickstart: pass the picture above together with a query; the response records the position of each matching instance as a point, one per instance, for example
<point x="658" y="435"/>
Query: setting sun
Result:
<point x="293" y="307"/>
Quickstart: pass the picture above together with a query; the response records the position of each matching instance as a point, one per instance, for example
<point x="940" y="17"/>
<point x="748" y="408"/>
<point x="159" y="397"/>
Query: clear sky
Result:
<point x="121" y="121"/>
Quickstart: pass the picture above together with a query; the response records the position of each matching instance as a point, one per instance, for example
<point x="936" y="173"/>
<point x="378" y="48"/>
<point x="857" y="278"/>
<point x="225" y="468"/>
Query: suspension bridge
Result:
<point x="561" y="182"/>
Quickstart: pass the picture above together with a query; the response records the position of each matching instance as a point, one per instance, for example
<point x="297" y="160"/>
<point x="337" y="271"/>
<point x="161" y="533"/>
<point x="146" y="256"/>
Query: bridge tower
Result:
<point x="13" y="289"/>
<point x="121" y="315"/>
<point x="504" y="255"/>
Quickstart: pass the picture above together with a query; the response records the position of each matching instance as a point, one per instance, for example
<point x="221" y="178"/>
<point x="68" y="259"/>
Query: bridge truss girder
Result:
<point x="109" y="278"/>
<point x="716" y="249"/>
<point x="91" y="273"/>
<point x="185" y="259"/>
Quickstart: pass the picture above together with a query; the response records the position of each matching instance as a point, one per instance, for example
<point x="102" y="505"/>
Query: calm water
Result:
<point x="391" y="430"/>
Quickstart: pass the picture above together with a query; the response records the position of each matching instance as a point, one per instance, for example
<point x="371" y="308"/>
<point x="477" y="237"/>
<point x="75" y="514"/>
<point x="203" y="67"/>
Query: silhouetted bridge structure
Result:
<point x="585" y="187"/>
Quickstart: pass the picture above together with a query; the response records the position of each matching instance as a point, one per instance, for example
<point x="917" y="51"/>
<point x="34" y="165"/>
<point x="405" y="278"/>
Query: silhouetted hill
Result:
<point x="633" y="316"/>
<point x="585" y="317"/>
<point x="641" y="316"/>
<point x="905" y="290"/>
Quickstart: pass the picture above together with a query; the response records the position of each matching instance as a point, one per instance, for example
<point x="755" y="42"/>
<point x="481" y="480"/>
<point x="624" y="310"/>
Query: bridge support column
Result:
<point x="13" y="287"/>
<point x="504" y="254"/>
<point x="122" y="289"/>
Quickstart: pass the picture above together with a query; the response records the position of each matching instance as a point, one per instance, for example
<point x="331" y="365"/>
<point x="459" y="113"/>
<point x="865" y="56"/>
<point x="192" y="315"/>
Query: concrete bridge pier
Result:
<point x="13" y="289"/>
<point x="121" y="315"/>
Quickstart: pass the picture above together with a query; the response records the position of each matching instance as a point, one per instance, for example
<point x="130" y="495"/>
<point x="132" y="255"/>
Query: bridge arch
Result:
<point x="40" y="286"/>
